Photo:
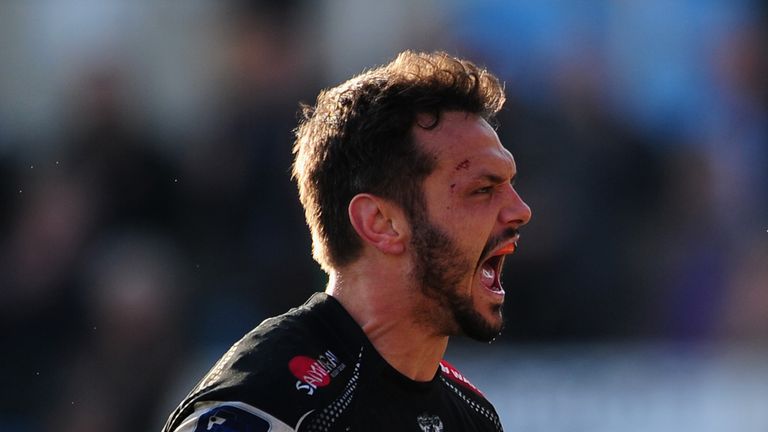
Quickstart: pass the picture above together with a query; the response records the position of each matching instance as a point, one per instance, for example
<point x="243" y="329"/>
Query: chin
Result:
<point x="495" y="323"/>
<point x="478" y="326"/>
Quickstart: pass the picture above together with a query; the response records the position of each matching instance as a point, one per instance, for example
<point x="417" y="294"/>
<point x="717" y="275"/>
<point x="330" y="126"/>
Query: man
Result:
<point x="409" y="196"/>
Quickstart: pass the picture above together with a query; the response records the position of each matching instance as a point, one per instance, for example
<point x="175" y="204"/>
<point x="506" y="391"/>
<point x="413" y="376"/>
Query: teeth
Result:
<point x="488" y="273"/>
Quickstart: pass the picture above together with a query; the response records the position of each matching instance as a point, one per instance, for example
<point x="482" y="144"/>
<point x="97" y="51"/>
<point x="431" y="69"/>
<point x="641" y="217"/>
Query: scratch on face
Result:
<point x="463" y="165"/>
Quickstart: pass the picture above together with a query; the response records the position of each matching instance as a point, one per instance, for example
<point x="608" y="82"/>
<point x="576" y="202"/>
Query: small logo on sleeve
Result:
<point x="315" y="373"/>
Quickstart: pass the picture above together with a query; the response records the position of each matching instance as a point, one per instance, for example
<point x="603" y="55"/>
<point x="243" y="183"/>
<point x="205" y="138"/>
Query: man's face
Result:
<point x="472" y="216"/>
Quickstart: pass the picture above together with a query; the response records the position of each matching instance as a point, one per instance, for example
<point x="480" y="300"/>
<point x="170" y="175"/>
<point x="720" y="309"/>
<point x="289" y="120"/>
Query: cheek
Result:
<point x="472" y="239"/>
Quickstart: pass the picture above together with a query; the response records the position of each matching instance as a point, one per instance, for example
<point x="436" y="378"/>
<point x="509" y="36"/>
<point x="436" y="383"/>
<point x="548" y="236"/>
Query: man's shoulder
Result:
<point x="261" y="349"/>
<point x="287" y="366"/>
<point x="297" y="352"/>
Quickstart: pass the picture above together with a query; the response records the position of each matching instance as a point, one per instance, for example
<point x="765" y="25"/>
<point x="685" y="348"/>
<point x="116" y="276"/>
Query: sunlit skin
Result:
<point x="470" y="198"/>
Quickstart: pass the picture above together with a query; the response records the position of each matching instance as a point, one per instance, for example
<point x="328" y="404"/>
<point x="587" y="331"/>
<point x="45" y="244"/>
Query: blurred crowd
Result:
<point x="132" y="254"/>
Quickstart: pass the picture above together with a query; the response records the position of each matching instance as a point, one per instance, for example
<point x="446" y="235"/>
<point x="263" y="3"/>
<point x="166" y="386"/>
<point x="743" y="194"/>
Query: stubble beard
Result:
<point x="439" y="271"/>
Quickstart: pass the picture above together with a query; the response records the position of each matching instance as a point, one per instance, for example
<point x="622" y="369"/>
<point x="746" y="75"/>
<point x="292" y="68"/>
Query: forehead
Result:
<point x="465" y="143"/>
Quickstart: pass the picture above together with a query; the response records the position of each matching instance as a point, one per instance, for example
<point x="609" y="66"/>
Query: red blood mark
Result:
<point x="463" y="165"/>
<point x="453" y="187"/>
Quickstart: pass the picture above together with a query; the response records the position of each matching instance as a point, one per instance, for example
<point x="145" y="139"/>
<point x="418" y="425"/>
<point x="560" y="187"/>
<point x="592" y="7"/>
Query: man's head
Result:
<point x="358" y="138"/>
<point x="402" y="160"/>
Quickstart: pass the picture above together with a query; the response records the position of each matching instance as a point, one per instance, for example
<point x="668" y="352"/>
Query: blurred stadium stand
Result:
<point x="147" y="218"/>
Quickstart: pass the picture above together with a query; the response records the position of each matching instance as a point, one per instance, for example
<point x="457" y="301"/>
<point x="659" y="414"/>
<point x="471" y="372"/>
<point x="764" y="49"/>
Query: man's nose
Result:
<point x="516" y="212"/>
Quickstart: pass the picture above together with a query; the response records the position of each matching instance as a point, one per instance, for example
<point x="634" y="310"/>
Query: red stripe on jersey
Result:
<point x="454" y="375"/>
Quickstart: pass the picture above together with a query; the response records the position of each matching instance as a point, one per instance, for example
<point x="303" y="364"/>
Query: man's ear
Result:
<point x="378" y="222"/>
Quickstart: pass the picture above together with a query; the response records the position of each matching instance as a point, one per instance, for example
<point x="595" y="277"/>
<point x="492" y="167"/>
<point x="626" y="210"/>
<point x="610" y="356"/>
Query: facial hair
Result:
<point x="439" y="269"/>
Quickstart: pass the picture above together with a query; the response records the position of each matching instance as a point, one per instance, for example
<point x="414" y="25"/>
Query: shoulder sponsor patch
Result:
<point x="454" y="375"/>
<point x="226" y="418"/>
<point x="313" y="373"/>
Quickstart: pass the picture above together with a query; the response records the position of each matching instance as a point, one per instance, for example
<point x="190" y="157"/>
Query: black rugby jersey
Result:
<point x="313" y="369"/>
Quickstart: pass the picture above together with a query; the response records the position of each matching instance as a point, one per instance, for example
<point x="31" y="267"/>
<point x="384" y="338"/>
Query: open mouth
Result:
<point x="490" y="273"/>
<point x="490" y="269"/>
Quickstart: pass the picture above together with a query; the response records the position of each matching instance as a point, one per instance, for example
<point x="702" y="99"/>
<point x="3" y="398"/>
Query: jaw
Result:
<point x="489" y="306"/>
<point x="488" y="315"/>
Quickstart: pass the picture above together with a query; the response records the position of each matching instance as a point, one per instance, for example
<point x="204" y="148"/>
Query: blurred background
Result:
<point x="147" y="217"/>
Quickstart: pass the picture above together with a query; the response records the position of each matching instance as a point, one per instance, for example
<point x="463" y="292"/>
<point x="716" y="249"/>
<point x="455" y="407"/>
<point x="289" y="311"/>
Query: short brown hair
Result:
<point x="357" y="138"/>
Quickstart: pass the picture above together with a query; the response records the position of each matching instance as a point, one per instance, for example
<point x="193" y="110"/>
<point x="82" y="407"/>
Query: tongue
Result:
<point x="487" y="275"/>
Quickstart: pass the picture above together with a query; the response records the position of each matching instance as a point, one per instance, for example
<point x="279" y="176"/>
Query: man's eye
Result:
<point x="485" y="190"/>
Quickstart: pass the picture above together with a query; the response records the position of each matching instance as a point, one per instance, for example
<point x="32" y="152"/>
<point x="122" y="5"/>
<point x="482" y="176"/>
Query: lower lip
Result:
<point x="499" y="293"/>
<point x="496" y="290"/>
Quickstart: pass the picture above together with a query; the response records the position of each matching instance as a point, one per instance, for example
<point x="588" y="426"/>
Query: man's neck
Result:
<point x="385" y="309"/>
